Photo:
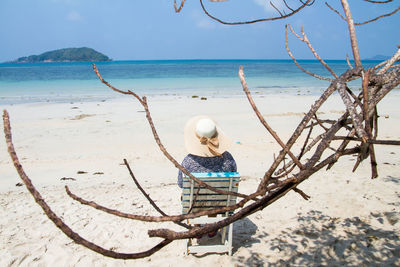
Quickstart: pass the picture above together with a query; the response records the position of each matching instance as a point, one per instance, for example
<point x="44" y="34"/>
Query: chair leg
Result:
<point x="223" y="235"/>
<point x="230" y="236"/>
<point x="188" y="242"/>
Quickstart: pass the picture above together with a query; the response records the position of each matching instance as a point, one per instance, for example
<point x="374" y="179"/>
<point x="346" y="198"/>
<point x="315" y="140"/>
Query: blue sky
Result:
<point x="150" y="29"/>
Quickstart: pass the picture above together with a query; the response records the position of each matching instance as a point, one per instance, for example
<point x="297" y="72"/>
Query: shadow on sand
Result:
<point x="321" y="240"/>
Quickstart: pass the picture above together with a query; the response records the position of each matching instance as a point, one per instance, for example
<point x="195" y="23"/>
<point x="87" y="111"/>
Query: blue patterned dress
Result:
<point x="193" y="163"/>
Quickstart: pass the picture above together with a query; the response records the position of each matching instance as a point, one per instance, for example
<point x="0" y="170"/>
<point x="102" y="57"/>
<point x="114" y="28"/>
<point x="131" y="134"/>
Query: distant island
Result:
<point x="378" y="57"/>
<point x="83" y="54"/>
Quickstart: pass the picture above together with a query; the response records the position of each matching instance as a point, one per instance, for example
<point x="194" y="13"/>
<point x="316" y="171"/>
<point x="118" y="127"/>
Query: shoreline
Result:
<point x="6" y="101"/>
<point x="348" y="214"/>
<point x="109" y="95"/>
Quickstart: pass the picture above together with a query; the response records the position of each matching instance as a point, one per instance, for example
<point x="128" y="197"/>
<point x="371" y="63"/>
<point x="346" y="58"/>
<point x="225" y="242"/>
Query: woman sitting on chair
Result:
<point x="207" y="145"/>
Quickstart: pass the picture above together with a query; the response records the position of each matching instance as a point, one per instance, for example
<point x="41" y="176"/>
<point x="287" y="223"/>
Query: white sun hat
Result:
<point x="204" y="138"/>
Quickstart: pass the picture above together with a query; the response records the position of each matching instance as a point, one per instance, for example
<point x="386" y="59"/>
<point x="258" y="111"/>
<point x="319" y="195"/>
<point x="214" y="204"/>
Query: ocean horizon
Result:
<point x="76" y="81"/>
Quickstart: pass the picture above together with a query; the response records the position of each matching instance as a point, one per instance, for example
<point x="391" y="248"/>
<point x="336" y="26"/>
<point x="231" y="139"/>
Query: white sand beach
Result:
<point x="349" y="219"/>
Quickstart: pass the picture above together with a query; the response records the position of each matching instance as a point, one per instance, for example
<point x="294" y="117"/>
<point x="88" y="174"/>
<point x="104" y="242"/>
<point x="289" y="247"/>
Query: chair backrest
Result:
<point x="195" y="199"/>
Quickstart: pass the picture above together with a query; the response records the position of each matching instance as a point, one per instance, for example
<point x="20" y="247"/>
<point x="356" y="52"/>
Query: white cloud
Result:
<point x="74" y="16"/>
<point x="202" y="21"/>
<point x="205" y="24"/>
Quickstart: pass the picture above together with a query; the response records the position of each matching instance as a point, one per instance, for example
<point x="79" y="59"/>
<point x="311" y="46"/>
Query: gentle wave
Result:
<point x="66" y="82"/>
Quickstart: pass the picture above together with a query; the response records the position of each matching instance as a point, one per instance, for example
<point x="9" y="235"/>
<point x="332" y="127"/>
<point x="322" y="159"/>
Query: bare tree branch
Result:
<point x="376" y="84"/>
<point x="318" y="103"/>
<point x="261" y="118"/>
<point x="305" y="39"/>
<point x="336" y="11"/>
<point x="387" y="81"/>
<point x="353" y="113"/>
<point x="372" y="141"/>
<point x="319" y="123"/>
<point x="355" y="98"/>
<point x="377" y="18"/>
<point x="115" y="89"/>
<point x="177" y="10"/>
<point x="348" y="61"/>
<point x="147" y="196"/>
<point x="148" y="218"/>
<point x="298" y="65"/>
<point x="367" y="124"/>
<point x="379" y="2"/>
<point x="301" y="193"/>
<point x="272" y="4"/>
<point x="368" y="21"/>
<point x="352" y="31"/>
<point x="173" y="218"/>
<point x="390" y="62"/>
<point x="55" y="219"/>
<point x="309" y="4"/>
<point x="302" y="152"/>
<point x="286" y="4"/>
<point x="304" y="4"/>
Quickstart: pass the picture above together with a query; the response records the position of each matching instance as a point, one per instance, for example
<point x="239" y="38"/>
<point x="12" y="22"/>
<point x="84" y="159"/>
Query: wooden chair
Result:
<point x="195" y="199"/>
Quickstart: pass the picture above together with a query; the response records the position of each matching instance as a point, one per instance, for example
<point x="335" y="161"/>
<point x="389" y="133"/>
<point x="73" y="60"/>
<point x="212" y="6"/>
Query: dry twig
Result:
<point x="297" y="64"/>
<point x="305" y="40"/>
<point x="178" y="9"/>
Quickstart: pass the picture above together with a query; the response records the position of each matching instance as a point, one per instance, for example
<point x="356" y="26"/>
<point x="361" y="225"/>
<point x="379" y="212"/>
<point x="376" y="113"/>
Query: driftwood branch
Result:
<point x="359" y="123"/>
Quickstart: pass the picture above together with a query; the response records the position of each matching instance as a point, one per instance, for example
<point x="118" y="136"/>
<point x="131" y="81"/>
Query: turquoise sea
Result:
<point x="70" y="82"/>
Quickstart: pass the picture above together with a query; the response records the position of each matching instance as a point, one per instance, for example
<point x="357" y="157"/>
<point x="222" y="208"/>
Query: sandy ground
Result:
<point x="349" y="220"/>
